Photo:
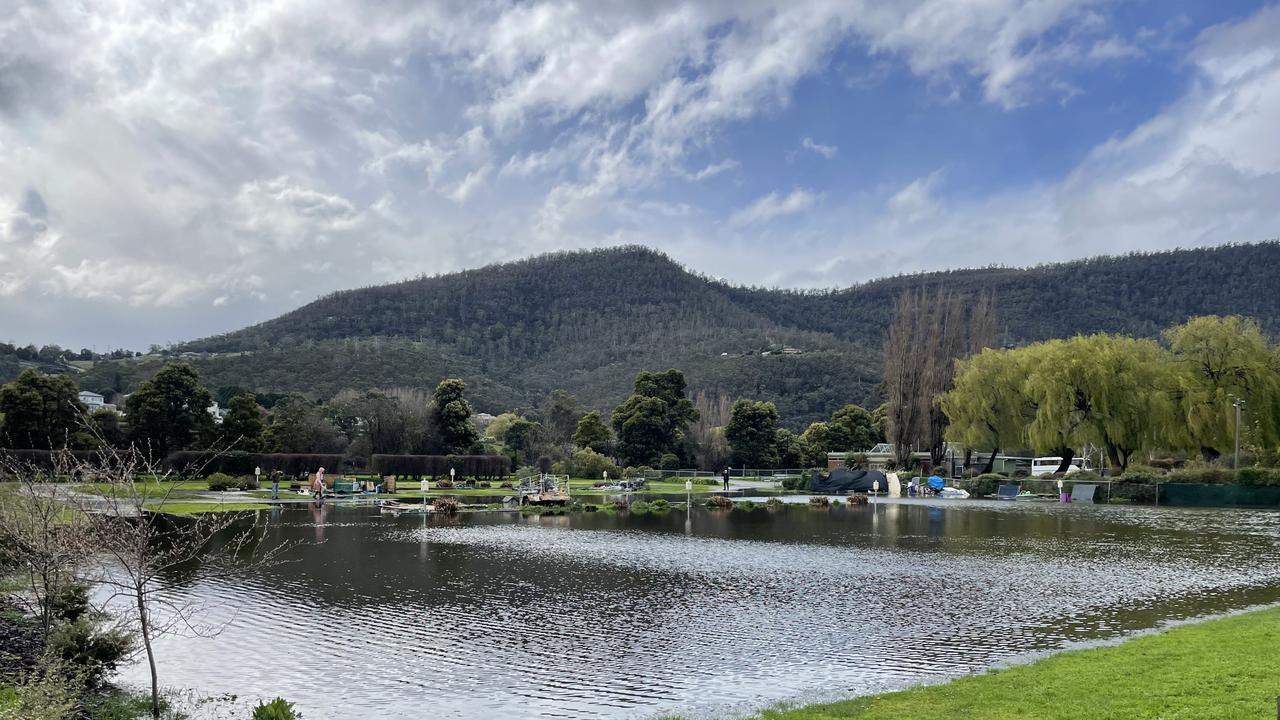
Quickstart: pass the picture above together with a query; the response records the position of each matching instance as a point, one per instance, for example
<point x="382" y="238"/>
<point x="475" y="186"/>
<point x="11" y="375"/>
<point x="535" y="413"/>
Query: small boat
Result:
<point x="952" y="493"/>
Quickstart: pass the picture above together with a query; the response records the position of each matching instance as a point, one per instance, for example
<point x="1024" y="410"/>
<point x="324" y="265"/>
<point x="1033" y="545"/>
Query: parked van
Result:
<point x="1048" y="465"/>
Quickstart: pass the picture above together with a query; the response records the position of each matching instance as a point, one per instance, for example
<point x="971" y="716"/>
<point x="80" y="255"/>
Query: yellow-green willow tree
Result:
<point x="988" y="409"/>
<point x="1106" y="390"/>
<point x="1218" y="359"/>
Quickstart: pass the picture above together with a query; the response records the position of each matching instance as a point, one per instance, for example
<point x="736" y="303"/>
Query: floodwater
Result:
<point x="704" y="614"/>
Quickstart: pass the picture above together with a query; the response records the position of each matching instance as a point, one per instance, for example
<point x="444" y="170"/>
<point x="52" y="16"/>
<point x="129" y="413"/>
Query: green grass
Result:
<point x="1222" y="669"/>
<point x="148" y="488"/>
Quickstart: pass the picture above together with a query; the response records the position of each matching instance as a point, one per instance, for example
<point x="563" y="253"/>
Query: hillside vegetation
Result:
<point x="586" y="322"/>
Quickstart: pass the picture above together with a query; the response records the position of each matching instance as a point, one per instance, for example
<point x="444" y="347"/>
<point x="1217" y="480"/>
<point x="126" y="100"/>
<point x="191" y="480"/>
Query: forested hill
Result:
<point x="587" y="321"/>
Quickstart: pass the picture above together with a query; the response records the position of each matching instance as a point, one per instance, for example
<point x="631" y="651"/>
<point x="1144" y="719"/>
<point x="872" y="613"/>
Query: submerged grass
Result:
<point x="1222" y="669"/>
<point x="187" y="509"/>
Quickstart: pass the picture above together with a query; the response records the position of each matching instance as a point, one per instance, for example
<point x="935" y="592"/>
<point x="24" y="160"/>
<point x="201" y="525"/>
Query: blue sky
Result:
<point x="176" y="171"/>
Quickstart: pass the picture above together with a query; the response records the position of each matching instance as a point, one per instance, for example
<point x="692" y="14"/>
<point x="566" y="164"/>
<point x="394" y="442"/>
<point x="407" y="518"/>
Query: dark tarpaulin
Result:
<point x="844" y="481"/>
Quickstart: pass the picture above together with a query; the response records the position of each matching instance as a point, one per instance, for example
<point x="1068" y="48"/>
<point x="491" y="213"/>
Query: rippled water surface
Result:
<point x="702" y="614"/>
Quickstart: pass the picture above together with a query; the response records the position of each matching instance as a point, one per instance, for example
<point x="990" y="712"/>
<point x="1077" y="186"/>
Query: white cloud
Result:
<point x="178" y="152"/>
<point x="826" y="151"/>
<point x="773" y="206"/>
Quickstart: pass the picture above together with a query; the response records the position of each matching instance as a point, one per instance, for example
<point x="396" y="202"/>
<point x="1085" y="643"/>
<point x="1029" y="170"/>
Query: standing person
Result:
<point x="275" y="484"/>
<point x="317" y="489"/>
<point x="725" y="475"/>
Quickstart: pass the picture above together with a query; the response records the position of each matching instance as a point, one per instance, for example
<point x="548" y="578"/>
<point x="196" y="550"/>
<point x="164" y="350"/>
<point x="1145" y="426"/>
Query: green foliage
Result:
<point x="815" y="442"/>
<point x="170" y="411"/>
<point x="654" y="420"/>
<point x="453" y="418"/>
<point x="795" y="483"/>
<point x="1219" y="359"/>
<point x="851" y="428"/>
<point x="1258" y="476"/>
<point x="521" y="437"/>
<point x="277" y="709"/>
<point x="243" y="423"/>
<point x="221" y="481"/>
<point x="39" y="411"/>
<point x="752" y="434"/>
<point x="300" y="426"/>
<point x="669" y="461"/>
<point x="592" y="432"/>
<point x="587" y="463"/>
<point x="855" y="460"/>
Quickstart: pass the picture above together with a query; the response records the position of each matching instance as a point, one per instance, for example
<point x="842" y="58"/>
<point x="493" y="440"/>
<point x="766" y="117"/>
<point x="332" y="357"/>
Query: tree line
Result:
<point x="1125" y="395"/>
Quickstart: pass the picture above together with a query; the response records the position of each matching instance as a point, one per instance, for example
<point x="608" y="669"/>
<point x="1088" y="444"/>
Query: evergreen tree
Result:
<point x="653" y="421"/>
<point x="170" y="411"/>
<point x="592" y="433"/>
<point x="752" y="433"/>
<point x="243" y="423"/>
<point x="453" y="418"/>
<point x="40" y="411"/>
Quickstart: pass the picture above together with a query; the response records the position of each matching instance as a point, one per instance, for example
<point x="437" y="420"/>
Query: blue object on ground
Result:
<point x="936" y="483"/>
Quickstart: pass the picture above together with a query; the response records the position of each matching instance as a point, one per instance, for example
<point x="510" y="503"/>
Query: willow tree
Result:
<point x="1218" y="359"/>
<point x="1100" y="389"/>
<point x="988" y="408"/>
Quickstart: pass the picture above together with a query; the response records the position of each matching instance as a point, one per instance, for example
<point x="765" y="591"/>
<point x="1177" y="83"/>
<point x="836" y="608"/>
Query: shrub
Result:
<point x="485" y="484"/>
<point x="745" y="506"/>
<point x="795" y="483"/>
<point x="447" y="505"/>
<point x="1258" y="476"/>
<point x="719" y="501"/>
<point x="1205" y="474"/>
<point x="981" y="485"/>
<point x="639" y="507"/>
<point x="587" y="463"/>
<point x="774" y="503"/>
<point x="669" y="461"/>
<point x="277" y="709"/>
<point x="221" y="481"/>
<point x="444" y="484"/>
<point x="835" y="502"/>
<point x="855" y="499"/>
<point x="660" y="505"/>
<point x="819" y="501"/>
<point x="855" y="460"/>
<point x="506" y="485"/>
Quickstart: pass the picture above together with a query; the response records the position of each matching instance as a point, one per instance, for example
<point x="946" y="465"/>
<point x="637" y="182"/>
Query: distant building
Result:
<point x="217" y="412"/>
<point x="482" y="421"/>
<point x="791" y="351"/>
<point x="91" y="400"/>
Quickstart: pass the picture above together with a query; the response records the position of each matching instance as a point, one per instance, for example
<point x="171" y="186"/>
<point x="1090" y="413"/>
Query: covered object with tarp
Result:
<point x="845" y="481"/>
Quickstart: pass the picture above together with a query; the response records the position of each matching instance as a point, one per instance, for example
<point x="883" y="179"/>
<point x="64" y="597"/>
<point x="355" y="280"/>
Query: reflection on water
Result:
<point x="606" y="615"/>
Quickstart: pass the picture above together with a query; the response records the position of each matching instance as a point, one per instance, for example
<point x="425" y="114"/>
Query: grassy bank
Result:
<point x="1222" y="669"/>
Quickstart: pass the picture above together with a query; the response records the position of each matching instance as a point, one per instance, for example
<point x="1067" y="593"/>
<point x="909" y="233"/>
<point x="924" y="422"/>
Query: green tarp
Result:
<point x="1199" y="495"/>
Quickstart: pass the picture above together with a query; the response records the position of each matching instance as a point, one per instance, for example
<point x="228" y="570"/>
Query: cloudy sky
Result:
<point x="172" y="170"/>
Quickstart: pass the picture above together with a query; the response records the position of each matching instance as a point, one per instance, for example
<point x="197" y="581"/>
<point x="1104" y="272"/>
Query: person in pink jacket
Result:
<point x="317" y="488"/>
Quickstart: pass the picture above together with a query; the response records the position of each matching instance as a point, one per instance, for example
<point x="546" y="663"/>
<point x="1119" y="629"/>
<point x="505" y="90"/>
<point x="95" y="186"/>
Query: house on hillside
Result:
<point x="91" y="400"/>
<point x="217" y="412"/>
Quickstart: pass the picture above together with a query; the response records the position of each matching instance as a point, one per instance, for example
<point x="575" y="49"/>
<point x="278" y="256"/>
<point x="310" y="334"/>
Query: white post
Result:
<point x="451" y="478"/>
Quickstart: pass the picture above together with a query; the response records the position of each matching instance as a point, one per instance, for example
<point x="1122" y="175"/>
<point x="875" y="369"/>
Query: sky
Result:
<point x="174" y="170"/>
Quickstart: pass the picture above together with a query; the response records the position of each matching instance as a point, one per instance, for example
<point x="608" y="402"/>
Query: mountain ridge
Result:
<point x="586" y="321"/>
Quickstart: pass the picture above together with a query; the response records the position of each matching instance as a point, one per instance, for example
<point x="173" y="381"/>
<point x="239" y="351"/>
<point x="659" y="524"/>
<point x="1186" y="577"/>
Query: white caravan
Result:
<point x="1049" y="465"/>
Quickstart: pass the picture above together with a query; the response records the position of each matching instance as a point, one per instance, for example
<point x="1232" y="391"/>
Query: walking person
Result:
<point x="725" y="475"/>
<point x="317" y="488"/>
<point x="275" y="484"/>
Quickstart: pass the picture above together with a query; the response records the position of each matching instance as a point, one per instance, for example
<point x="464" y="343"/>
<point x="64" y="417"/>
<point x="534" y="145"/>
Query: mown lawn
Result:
<point x="1226" y="669"/>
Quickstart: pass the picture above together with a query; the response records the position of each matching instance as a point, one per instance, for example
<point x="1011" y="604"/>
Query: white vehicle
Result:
<point x="1049" y="465"/>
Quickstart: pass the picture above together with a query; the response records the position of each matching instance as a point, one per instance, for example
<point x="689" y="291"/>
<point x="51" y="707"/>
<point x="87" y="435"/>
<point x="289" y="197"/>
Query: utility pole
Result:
<point x="1235" y="465"/>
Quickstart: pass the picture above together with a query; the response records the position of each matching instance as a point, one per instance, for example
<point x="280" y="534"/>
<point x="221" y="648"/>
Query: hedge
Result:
<point x="202" y="464"/>
<point x="477" y="466"/>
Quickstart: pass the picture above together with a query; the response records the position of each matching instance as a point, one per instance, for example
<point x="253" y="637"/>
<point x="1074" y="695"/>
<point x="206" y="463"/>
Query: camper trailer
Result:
<point x="1048" y="465"/>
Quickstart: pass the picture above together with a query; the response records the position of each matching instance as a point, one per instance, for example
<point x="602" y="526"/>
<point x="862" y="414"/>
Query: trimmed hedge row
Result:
<point x="194" y="463"/>
<point x="476" y="466"/>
